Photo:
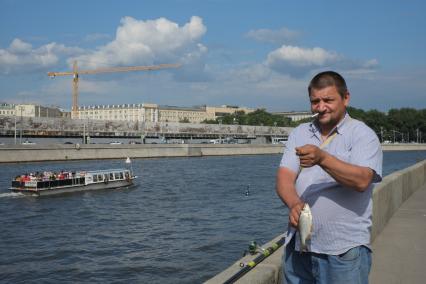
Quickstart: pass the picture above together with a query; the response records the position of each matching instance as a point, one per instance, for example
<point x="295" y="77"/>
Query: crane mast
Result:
<point x="76" y="73"/>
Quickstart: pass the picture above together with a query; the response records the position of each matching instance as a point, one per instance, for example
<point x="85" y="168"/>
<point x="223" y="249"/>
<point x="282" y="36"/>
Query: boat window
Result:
<point x="121" y="175"/>
<point x="95" y="178"/>
<point x="100" y="177"/>
<point x="117" y="176"/>
<point x="111" y="176"/>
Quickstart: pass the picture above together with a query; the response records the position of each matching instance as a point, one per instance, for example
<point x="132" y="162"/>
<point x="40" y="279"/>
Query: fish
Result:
<point x="305" y="226"/>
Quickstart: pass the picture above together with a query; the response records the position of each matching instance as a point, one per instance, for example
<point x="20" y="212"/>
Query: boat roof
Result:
<point x="106" y="171"/>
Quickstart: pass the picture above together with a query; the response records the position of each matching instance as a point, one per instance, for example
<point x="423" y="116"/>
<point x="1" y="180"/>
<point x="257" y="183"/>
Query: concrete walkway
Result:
<point x="399" y="251"/>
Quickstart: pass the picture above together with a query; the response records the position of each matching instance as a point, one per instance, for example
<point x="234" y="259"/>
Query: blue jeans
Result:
<point x="351" y="267"/>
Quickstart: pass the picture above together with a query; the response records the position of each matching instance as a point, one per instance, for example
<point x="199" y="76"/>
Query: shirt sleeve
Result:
<point x="367" y="151"/>
<point x="289" y="159"/>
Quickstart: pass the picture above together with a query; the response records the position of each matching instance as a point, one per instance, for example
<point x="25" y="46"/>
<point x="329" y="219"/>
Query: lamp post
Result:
<point x="20" y="125"/>
<point x="220" y="129"/>
<point x="275" y="129"/>
<point x="88" y="131"/>
<point x="396" y="131"/>
<point x="417" y="132"/>
<point x="84" y="132"/>
<point x="15" y="128"/>
<point x="143" y="132"/>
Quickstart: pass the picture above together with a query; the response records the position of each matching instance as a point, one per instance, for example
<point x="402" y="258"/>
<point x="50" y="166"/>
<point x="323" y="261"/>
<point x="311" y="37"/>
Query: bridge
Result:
<point x="65" y="127"/>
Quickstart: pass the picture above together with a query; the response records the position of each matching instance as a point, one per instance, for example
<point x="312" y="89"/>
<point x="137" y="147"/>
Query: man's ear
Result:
<point x="346" y="99"/>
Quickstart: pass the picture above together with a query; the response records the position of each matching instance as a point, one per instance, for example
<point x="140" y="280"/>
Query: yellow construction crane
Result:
<point x="75" y="73"/>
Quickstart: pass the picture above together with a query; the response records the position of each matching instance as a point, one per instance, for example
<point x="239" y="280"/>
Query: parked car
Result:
<point x="27" y="142"/>
<point x="115" y="143"/>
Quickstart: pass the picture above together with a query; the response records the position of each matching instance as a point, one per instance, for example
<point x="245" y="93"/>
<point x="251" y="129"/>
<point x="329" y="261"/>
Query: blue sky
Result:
<point x="258" y="54"/>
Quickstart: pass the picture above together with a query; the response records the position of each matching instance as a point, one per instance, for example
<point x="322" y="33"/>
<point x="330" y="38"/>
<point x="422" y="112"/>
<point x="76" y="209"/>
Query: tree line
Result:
<point x="397" y="125"/>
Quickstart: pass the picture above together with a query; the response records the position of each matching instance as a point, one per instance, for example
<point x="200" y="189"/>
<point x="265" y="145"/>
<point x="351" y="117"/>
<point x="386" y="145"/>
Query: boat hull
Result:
<point x="75" y="188"/>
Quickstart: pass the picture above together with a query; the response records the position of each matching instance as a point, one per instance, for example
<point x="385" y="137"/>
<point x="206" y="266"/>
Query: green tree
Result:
<point x="209" y="121"/>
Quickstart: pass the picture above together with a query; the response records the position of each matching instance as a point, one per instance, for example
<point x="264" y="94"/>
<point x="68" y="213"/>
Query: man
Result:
<point x="331" y="164"/>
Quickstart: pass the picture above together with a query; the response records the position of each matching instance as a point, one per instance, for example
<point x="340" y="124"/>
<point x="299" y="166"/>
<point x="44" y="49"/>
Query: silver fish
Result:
<point x="305" y="226"/>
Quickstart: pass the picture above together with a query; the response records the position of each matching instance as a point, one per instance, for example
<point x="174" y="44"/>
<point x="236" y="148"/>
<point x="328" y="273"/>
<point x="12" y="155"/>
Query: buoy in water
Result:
<point x="248" y="190"/>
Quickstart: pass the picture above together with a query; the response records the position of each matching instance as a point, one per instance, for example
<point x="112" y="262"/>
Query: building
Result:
<point x="225" y="109"/>
<point x="184" y="114"/>
<point x="126" y="112"/>
<point x="29" y="110"/>
<point x="7" y="109"/>
<point x="155" y="113"/>
<point x="295" y="115"/>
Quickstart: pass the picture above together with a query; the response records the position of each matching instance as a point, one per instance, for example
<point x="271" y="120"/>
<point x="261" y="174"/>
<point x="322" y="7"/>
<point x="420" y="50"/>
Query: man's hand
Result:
<point x="309" y="155"/>
<point x="294" y="213"/>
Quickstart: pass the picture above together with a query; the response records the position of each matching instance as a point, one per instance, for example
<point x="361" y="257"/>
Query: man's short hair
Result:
<point x="326" y="79"/>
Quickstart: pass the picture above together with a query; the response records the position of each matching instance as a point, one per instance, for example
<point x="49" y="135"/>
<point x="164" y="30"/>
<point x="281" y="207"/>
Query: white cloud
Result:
<point x="18" y="46"/>
<point x="300" y="57"/>
<point x="297" y="61"/>
<point x="20" y="56"/>
<point x="273" y="36"/>
<point x="140" y="42"/>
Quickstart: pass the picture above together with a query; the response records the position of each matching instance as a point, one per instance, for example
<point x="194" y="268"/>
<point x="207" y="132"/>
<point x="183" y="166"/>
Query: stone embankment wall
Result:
<point x="61" y="152"/>
<point x="34" y="153"/>
<point x="387" y="198"/>
<point x="404" y="147"/>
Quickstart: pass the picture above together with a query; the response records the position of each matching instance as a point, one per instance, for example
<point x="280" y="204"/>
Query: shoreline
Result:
<point x="58" y="152"/>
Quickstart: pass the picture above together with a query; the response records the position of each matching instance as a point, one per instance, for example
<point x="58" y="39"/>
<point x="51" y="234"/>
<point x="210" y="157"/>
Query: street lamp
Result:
<point x="220" y="129"/>
<point x="20" y="125"/>
<point x="275" y="129"/>
<point x="402" y="135"/>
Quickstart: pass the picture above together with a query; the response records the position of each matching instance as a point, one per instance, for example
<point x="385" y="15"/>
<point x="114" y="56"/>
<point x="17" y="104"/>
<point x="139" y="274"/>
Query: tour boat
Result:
<point x="49" y="183"/>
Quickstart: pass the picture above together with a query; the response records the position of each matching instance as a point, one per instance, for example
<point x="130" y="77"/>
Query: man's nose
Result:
<point x="321" y="107"/>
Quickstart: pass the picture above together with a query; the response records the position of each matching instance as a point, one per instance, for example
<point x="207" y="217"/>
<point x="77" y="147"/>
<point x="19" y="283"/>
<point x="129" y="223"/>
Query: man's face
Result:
<point x="329" y="104"/>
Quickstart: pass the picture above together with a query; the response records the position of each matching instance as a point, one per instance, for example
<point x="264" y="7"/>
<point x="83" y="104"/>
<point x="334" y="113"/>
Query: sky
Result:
<point x="256" y="54"/>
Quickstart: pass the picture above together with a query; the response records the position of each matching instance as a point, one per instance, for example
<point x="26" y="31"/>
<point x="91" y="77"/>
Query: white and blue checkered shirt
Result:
<point x="341" y="216"/>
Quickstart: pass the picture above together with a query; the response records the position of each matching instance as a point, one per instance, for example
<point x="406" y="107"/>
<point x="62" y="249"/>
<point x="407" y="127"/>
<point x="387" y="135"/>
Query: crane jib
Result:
<point x="75" y="73"/>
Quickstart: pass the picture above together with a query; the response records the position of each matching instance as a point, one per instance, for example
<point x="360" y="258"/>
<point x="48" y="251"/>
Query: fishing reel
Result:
<point x="253" y="248"/>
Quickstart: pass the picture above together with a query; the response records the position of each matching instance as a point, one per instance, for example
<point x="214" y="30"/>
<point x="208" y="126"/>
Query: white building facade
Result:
<point x="155" y="113"/>
<point x="28" y="110"/>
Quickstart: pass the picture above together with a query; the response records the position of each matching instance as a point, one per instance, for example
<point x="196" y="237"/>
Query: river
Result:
<point x="185" y="221"/>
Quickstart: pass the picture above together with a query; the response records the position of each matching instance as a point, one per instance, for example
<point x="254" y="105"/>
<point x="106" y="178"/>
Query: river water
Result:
<point x="186" y="220"/>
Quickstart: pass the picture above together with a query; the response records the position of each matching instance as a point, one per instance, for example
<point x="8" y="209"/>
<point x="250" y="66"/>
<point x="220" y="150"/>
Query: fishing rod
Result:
<point x="249" y="266"/>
